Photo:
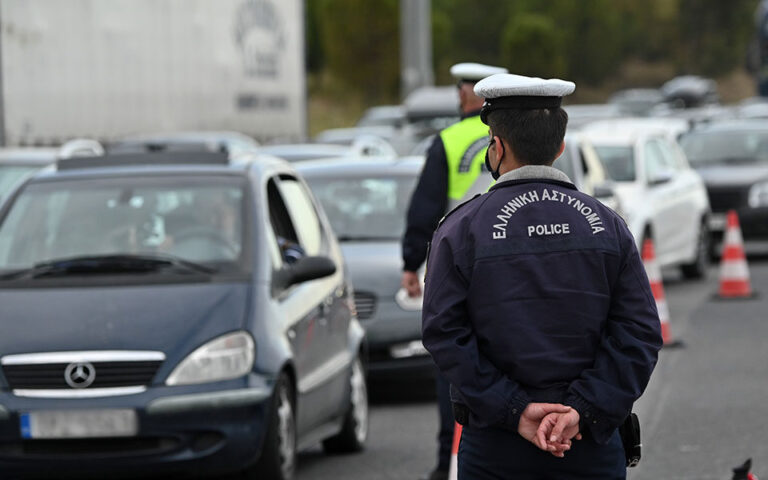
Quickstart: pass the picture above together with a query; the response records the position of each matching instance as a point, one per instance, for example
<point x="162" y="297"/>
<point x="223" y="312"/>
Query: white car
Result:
<point x="656" y="192"/>
<point x="582" y="165"/>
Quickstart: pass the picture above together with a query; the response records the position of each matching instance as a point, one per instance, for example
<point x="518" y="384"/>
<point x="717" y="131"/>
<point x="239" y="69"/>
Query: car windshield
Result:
<point x="193" y="219"/>
<point x="618" y="162"/>
<point x="365" y="208"/>
<point x="10" y="174"/>
<point x="707" y="148"/>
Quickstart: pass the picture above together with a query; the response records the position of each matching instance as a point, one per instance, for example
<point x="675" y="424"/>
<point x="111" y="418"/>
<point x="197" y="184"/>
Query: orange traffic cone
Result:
<point x="734" y="274"/>
<point x="453" y="471"/>
<point x="653" y="271"/>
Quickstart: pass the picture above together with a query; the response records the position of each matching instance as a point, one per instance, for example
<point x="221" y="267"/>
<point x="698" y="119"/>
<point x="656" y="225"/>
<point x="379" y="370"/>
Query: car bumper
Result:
<point x="752" y="221"/>
<point x="205" y="429"/>
<point x="394" y="344"/>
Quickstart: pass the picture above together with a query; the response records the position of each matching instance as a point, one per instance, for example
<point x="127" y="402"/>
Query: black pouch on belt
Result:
<point x="630" y="438"/>
<point x="460" y="413"/>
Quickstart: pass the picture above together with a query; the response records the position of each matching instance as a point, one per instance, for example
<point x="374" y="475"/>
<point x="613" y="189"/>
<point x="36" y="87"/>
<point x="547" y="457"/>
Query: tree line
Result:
<point x="356" y="43"/>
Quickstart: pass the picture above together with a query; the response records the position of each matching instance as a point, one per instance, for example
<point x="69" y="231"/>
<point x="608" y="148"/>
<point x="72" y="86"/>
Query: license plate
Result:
<point x="717" y="222"/>
<point x="47" y="424"/>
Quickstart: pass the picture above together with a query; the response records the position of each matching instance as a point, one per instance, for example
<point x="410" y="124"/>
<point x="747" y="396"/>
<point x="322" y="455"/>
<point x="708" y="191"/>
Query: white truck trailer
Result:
<point x="104" y="69"/>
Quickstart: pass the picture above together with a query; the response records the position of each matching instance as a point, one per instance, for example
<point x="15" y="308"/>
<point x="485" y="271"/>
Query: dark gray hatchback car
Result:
<point x="366" y="202"/>
<point x="173" y="313"/>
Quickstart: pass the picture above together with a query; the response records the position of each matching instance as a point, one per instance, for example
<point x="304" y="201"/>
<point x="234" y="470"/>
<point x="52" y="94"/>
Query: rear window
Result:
<point x="365" y="208"/>
<point x="707" y="148"/>
<point x="618" y="162"/>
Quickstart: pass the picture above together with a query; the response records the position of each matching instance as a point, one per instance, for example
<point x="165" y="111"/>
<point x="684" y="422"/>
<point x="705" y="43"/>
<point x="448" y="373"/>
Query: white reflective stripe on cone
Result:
<point x="734" y="270"/>
<point x="733" y="236"/>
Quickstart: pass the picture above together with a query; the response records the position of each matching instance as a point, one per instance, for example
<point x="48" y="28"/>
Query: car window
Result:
<point x="285" y="236"/>
<point x="671" y="154"/>
<point x="366" y="207"/>
<point x="303" y="215"/>
<point x="618" y="162"/>
<point x="196" y="220"/>
<point x="706" y="148"/>
<point x="656" y="161"/>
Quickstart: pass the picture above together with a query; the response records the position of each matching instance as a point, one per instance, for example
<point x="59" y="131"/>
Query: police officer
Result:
<point x="537" y="307"/>
<point x="453" y="173"/>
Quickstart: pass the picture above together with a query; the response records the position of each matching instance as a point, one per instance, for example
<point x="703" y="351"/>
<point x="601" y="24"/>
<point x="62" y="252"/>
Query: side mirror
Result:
<point x="662" y="176"/>
<point x="305" y="269"/>
<point x="603" y="190"/>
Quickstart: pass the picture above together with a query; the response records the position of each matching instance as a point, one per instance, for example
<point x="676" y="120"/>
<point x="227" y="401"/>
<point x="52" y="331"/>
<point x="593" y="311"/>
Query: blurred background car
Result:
<point x="580" y="115"/>
<point x="369" y="146"/>
<point x="656" y="192"/>
<point x="233" y="143"/>
<point x="186" y="336"/>
<point x="17" y="163"/>
<point x="366" y="202"/>
<point x="732" y="157"/>
<point x="382" y="115"/>
<point x="636" y="102"/>
<point x="580" y="162"/>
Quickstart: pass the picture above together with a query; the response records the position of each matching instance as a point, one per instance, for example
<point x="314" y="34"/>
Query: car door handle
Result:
<point x="291" y="333"/>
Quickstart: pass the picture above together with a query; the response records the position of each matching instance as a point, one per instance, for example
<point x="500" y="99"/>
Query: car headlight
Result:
<point x="223" y="358"/>
<point x="758" y="195"/>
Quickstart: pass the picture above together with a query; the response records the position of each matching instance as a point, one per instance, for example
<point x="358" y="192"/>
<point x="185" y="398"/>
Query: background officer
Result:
<point x="536" y="300"/>
<point x="453" y="173"/>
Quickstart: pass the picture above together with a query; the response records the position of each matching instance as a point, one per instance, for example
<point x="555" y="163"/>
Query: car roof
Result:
<point x="166" y="163"/>
<point x="627" y="131"/>
<point x="189" y="136"/>
<point x="732" y="125"/>
<point x="432" y="101"/>
<point x="409" y="165"/>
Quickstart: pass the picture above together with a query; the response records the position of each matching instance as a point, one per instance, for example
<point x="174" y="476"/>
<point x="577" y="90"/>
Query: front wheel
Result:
<point x="698" y="268"/>
<point x="354" y="432"/>
<point x="278" y="456"/>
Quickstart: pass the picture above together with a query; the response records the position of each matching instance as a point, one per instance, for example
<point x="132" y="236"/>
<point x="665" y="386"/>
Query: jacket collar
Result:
<point x="538" y="172"/>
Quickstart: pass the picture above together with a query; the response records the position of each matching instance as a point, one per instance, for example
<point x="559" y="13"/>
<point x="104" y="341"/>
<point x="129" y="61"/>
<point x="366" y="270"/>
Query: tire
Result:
<point x="698" y="268"/>
<point x="354" y="432"/>
<point x="278" y="455"/>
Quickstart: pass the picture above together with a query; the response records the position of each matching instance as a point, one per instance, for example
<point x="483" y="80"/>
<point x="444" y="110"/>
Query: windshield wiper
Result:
<point x="105" y="264"/>
<point x="365" y="238"/>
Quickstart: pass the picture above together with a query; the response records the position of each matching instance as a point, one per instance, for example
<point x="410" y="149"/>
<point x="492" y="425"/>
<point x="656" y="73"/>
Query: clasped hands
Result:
<point x="550" y="426"/>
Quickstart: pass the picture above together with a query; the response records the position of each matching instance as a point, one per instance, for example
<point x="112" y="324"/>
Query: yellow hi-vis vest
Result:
<point x="465" y="143"/>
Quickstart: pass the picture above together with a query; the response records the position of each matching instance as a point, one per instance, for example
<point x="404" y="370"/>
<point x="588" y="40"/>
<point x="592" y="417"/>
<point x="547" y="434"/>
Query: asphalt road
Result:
<point x="704" y="412"/>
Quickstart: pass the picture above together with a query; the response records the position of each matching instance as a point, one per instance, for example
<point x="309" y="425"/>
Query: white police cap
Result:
<point x="472" y="72"/>
<point x="508" y="91"/>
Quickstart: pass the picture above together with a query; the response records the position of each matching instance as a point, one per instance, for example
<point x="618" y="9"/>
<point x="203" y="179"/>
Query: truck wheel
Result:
<point x="278" y="456"/>
<point x="698" y="268"/>
<point x="354" y="433"/>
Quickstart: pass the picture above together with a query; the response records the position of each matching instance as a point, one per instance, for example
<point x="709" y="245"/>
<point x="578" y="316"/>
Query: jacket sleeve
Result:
<point x="427" y="207"/>
<point x="627" y="354"/>
<point x="447" y="333"/>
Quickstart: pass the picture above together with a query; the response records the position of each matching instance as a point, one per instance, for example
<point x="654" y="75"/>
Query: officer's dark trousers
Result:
<point x="445" y="435"/>
<point x="495" y="454"/>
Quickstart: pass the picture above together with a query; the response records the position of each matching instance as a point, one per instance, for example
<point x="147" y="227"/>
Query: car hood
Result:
<point x="733" y="175"/>
<point x="168" y="318"/>
<point x="374" y="267"/>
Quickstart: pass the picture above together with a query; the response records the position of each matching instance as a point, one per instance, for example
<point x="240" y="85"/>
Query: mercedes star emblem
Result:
<point x="80" y="374"/>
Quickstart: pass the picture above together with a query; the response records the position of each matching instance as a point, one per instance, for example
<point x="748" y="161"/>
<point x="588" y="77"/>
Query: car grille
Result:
<point x="365" y="303"/>
<point x="722" y="199"/>
<point x="108" y="375"/>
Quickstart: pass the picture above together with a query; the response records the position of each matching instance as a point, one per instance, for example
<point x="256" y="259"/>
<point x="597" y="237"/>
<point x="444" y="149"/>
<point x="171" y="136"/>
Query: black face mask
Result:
<point x="494" y="173"/>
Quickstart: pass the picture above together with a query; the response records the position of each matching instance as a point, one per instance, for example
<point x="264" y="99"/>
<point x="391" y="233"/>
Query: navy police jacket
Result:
<point x="535" y="292"/>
